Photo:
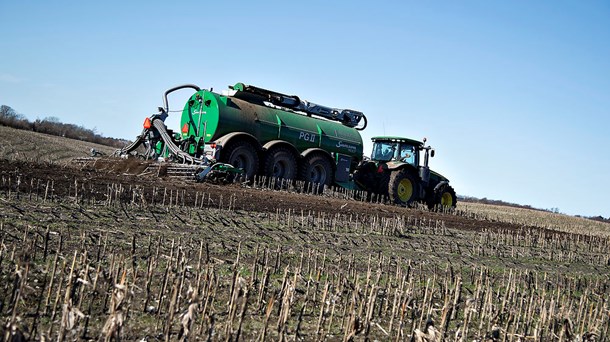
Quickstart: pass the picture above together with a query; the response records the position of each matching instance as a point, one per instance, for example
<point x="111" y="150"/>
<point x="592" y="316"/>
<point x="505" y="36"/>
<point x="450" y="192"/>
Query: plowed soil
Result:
<point x="97" y="177"/>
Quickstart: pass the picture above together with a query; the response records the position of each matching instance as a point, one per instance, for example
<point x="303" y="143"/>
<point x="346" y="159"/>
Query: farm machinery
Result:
<point x="248" y="131"/>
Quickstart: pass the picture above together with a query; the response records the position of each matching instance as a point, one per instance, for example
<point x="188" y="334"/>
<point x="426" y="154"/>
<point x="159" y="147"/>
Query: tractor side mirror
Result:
<point x="432" y="153"/>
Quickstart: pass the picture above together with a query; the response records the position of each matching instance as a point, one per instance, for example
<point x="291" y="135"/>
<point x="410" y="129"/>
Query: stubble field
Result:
<point x="98" y="253"/>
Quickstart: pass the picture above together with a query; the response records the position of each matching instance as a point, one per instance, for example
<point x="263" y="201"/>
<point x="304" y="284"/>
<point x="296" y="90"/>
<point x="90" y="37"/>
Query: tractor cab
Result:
<point x="397" y="153"/>
<point x="395" y="149"/>
<point x="399" y="169"/>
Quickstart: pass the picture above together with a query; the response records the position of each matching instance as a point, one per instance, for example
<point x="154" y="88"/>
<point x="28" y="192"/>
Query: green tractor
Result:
<point x="395" y="170"/>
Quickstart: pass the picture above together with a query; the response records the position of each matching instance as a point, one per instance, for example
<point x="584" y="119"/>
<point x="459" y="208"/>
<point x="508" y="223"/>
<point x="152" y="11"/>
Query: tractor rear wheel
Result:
<point x="403" y="187"/>
<point x="316" y="170"/>
<point x="444" y="197"/>
<point x="241" y="154"/>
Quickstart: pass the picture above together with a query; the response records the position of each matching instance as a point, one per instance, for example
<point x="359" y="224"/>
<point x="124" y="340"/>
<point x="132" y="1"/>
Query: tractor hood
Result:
<point x="437" y="177"/>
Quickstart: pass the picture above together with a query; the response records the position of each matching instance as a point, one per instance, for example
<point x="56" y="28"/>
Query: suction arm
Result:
<point x="347" y="117"/>
<point x="171" y="90"/>
<point x="365" y="124"/>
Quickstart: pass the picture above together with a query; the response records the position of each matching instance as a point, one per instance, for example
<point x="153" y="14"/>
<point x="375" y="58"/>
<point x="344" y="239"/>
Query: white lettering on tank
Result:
<point x="347" y="146"/>
<point x="307" y="136"/>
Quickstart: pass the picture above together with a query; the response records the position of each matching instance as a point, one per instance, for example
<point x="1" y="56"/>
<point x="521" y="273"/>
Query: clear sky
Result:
<point x="514" y="95"/>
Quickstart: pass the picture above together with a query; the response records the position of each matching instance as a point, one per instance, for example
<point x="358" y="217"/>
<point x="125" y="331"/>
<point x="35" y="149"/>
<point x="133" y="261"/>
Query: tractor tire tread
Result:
<point x="395" y="178"/>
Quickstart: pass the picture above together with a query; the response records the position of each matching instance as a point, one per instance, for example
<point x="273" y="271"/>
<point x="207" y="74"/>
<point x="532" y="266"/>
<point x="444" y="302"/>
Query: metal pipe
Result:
<point x="347" y="117"/>
<point x="171" y="90"/>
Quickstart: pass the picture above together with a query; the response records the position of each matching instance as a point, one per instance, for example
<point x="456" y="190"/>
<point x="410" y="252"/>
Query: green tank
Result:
<point x="273" y="134"/>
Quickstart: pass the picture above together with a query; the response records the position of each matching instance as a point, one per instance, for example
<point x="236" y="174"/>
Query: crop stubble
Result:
<point x="91" y="255"/>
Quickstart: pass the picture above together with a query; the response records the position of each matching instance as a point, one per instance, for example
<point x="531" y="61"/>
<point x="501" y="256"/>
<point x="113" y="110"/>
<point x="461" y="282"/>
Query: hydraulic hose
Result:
<point x="160" y="126"/>
<point x="139" y="140"/>
<point x="365" y="123"/>
<point x="169" y="144"/>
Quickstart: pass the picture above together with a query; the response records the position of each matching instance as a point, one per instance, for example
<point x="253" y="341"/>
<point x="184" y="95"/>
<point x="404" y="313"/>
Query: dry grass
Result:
<point x="534" y="218"/>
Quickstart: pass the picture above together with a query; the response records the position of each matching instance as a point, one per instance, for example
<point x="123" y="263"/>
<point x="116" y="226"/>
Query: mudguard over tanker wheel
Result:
<point x="280" y="163"/>
<point x="444" y="197"/>
<point x="316" y="170"/>
<point x="241" y="154"/>
<point x="403" y="187"/>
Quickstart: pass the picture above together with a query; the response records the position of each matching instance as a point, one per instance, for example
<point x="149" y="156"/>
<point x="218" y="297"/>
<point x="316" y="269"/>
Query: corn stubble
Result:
<point x="128" y="269"/>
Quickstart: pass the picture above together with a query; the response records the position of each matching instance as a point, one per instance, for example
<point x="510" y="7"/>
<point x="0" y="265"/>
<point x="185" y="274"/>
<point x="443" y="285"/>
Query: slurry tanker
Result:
<point x="257" y="132"/>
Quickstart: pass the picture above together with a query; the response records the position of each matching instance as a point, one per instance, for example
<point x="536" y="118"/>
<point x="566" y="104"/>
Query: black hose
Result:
<point x="171" y="90"/>
<point x="127" y="149"/>
<point x="175" y="150"/>
<point x="365" y="123"/>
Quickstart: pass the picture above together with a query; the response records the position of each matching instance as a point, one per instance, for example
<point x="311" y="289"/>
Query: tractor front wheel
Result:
<point x="444" y="197"/>
<point x="403" y="187"/>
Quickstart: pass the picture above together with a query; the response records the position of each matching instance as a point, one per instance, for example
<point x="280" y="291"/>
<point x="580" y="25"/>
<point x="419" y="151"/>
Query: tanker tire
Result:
<point x="443" y="198"/>
<point x="403" y="187"/>
<point x="241" y="154"/>
<point x="280" y="163"/>
<point x="317" y="171"/>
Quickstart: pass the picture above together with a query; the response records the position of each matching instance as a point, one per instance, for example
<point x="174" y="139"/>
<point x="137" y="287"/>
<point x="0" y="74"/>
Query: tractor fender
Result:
<point x="319" y="150"/>
<point x="315" y="150"/>
<point x="398" y="165"/>
<point x="226" y="139"/>
<point x="273" y="143"/>
<point x="441" y="183"/>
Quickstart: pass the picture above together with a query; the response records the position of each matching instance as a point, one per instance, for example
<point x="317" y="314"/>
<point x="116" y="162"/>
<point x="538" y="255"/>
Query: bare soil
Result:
<point x="99" y="175"/>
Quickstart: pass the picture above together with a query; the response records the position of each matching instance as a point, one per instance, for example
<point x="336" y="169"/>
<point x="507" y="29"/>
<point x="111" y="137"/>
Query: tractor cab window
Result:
<point x="408" y="154"/>
<point x="383" y="151"/>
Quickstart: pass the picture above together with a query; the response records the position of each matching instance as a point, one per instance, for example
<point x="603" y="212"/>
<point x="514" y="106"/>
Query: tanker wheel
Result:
<point x="444" y="197"/>
<point x="403" y="187"/>
<point x="241" y="154"/>
<point x="317" y="171"/>
<point x="280" y="163"/>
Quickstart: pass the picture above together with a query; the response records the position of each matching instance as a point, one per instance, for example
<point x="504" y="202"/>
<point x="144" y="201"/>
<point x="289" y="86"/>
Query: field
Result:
<point x="18" y="144"/>
<point x="98" y="252"/>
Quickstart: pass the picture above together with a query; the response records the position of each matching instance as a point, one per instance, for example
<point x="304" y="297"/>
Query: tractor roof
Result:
<point x="398" y="139"/>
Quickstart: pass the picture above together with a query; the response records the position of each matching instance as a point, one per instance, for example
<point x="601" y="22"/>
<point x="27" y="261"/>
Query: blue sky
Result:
<point x="514" y="95"/>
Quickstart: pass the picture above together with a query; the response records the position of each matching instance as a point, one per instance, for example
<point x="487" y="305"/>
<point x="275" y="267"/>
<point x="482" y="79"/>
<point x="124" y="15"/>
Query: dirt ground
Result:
<point x="98" y="176"/>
